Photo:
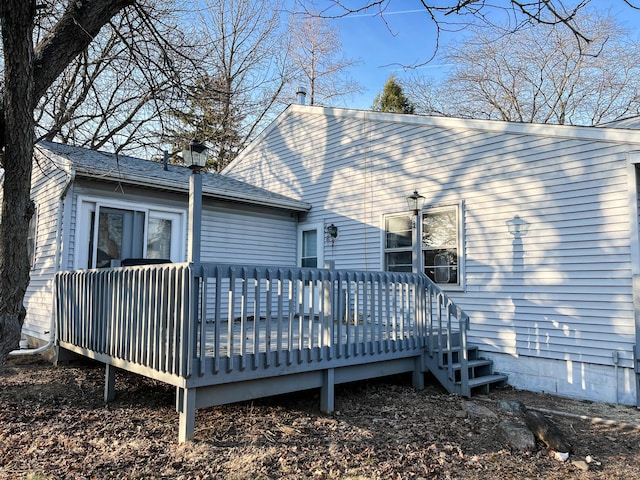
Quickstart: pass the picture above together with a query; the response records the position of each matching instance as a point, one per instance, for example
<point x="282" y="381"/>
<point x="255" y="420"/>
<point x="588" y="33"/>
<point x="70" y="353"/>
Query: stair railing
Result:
<point x="448" y="325"/>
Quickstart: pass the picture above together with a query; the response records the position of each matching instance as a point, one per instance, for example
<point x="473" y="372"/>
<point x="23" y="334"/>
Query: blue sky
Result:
<point x="408" y="38"/>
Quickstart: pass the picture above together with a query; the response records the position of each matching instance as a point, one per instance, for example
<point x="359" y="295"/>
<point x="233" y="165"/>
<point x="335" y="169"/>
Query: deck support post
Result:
<point x="327" y="391"/>
<point x="109" y="382"/>
<point x="186" y="406"/>
<point x="417" y="376"/>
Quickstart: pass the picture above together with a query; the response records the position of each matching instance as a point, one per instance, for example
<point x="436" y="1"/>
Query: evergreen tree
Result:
<point x="392" y="99"/>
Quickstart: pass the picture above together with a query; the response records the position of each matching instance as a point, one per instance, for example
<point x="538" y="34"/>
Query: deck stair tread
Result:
<point x="446" y="363"/>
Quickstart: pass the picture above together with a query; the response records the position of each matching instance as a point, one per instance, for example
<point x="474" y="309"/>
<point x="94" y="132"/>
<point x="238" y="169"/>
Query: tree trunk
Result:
<point x="27" y="75"/>
<point x="17" y="208"/>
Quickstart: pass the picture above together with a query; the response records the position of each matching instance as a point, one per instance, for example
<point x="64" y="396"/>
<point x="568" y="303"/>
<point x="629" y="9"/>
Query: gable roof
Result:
<point x="608" y="132"/>
<point x="100" y="165"/>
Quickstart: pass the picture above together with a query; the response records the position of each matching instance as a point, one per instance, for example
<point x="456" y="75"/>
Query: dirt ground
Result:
<point x="53" y="425"/>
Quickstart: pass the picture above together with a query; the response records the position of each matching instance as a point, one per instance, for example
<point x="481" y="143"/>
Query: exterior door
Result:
<point x="117" y="234"/>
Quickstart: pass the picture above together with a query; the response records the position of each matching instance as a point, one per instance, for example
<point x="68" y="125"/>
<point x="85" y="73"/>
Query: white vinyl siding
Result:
<point x="563" y="292"/>
<point x="48" y="180"/>
<point x="248" y="236"/>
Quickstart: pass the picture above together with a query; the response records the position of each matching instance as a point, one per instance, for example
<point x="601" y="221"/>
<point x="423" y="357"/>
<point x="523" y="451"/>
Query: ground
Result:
<point x="53" y="424"/>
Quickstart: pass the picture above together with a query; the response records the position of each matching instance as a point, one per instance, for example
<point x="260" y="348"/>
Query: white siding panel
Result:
<point x="255" y="237"/>
<point x="569" y="277"/>
<point x="48" y="180"/>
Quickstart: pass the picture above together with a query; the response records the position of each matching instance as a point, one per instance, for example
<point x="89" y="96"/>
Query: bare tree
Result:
<point x="455" y="15"/>
<point x="316" y="55"/>
<point x="114" y="94"/>
<point x="243" y="73"/>
<point x="540" y="75"/>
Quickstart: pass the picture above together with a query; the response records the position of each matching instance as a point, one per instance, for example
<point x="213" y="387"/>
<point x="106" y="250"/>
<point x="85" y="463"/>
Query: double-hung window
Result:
<point x="441" y="241"/>
<point x="397" y="246"/>
<point x="441" y="245"/>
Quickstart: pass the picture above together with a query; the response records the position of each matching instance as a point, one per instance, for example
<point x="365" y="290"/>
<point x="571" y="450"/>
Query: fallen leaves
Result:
<point x="53" y="424"/>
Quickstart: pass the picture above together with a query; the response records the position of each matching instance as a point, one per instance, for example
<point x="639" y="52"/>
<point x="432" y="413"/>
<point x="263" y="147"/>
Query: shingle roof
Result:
<point x="111" y="167"/>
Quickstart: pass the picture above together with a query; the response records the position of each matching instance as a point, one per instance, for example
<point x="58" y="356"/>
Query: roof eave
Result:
<point x="219" y="194"/>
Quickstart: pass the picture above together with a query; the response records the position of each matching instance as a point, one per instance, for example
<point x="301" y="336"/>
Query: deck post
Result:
<point x="186" y="406"/>
<point x="327" y="391"/>
<point x="109" y="382"/>
<point x="417" y="376"/>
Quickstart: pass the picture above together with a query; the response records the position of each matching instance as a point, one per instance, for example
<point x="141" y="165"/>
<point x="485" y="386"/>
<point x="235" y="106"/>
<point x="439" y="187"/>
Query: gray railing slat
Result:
<point x="146" y="315"/>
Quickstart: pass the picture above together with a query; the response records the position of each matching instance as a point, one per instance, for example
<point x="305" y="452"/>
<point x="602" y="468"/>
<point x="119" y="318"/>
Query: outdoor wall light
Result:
<point x="415" y="202"/>
<point x="195" y="155"/>
<point x="517" y="226"/>
<point x="331" y="231"/>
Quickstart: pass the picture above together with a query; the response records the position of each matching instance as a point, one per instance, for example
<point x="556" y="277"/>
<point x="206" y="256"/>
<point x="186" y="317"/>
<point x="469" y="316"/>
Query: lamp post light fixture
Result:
<point x="195" y="157"/>
<point x="415" y="201"/>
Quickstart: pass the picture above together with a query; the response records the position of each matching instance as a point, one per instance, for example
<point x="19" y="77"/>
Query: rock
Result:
<point x="560" y="456"/>
<point x="547" y="432"/>
<point x="479" y="411"/>
<point x="581" y="465"/>
<point x="515" y="407"/>
<point x="517" y="435"/>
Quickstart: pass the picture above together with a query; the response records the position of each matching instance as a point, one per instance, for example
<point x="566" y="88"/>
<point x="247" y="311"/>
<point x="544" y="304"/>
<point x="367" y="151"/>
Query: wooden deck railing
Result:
<point x="219" y="324"/>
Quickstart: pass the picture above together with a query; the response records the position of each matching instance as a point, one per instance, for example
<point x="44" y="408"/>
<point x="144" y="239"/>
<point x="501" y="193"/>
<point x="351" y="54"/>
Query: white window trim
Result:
<point x="383" y="239"/>
<point x="319" y="228"/>
<point x="462" y="277"/>
<point x="89" y="203"/>
<point x="35" y="219"/>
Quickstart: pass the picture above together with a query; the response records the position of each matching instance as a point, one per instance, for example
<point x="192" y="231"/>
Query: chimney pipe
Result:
<point x="165" y="161"/>
<point x="301" y="93"/>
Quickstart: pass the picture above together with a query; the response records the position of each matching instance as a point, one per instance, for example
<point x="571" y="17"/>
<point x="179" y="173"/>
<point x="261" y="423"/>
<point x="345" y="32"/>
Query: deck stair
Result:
<point x="445" y="359"/>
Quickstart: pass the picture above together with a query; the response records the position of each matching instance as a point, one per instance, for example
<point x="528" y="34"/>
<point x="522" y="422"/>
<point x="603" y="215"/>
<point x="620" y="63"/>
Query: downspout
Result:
<point x="52" y="325"/>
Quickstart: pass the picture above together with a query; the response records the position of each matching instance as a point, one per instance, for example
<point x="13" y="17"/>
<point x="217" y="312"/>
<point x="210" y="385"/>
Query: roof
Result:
<point x="146" y="173"/>
<point x="611" y="132"/>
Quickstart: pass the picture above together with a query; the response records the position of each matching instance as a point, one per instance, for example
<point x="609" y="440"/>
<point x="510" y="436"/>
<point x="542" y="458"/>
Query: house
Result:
<point x="531" y="229"/>
<point x="93" y="208"/>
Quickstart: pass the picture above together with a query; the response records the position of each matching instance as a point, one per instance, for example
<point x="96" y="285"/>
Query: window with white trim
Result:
<point x="114" y="231"/>
<point x="31" y="238"/>
<point x="397" y="246"/>
<point x="441" y="244"/>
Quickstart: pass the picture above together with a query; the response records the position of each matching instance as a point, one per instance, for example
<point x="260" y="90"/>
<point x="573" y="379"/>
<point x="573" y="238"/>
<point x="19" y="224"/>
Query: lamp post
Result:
<point x="195" y="157"/>
<point x="415" y="201"/>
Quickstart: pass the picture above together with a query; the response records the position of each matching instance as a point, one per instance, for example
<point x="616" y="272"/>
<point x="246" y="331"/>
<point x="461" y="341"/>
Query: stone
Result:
<point x="479" y="411"/>
<point x="560" y="456"/>
<point x="582" y="465"/>
<point x="517" y="435"/>
<point x="516" y="407"/>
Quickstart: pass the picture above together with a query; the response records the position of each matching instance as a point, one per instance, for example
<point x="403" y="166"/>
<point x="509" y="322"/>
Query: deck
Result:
<point x="225" y="333"/>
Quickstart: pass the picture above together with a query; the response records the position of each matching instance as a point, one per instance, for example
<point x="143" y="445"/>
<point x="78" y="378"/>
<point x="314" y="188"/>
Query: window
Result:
<point x="309" y="257"/>
<point x="31" y="238"/>
<point x="310" y="247"/>
<point x="397" y="248"/>
<point x="116" y="232"/>
<point x="441" y="244"/>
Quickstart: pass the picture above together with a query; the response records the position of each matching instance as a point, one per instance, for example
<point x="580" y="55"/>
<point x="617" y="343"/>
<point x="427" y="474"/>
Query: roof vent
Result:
<point x="301" y="93"/>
